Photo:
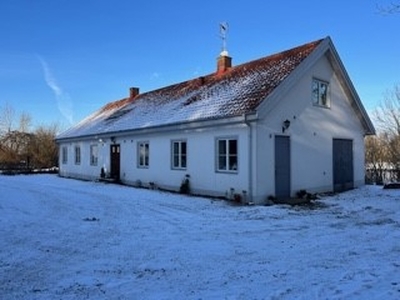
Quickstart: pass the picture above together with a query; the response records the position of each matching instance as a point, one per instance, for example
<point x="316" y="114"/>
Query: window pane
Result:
<point x="222" y="162"/>
<point x="233" y="155"/>
<point x="233" y="163"/>
<point x="183" y="161"/>
<point x="232" y="147"/>
<point x="315" y="92"/>
<point x="323" y="94"/>
<point x="176" y="161"/>
<point x="222" y="147"/>
<point x="183" y="148"/>
<point x="176" y="148"/>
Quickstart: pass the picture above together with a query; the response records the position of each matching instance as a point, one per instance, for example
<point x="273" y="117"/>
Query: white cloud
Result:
<point x="155" y="75"/>
<point x="64" y="103"/>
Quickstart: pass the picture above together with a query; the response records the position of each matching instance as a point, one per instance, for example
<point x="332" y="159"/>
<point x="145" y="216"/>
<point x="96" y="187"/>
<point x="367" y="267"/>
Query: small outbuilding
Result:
<point x="274" y="126"/>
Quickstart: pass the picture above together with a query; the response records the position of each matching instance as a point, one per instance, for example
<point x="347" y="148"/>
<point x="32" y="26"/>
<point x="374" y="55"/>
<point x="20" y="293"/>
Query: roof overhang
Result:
<point x="177" y="127"/>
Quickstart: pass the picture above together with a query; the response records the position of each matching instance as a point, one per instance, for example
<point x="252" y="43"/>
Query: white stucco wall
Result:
<point x="312" y="130"/>
<point x="83" y="170"/>
<point x="201" y="161"/>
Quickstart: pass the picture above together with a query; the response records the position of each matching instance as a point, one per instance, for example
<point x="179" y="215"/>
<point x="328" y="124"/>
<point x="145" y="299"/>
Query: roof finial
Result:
<point x="223" y="31"/>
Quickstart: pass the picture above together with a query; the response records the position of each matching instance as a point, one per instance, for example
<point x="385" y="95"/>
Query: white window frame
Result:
<point x="179" y="155"/>
<point x="227" y="161"/>
<point x="64" y="155"/>
<point x="77" y="155"/>
<point x="94" y="155"/>
<point x="143" y="154"/>
<point x="320" y="93"/>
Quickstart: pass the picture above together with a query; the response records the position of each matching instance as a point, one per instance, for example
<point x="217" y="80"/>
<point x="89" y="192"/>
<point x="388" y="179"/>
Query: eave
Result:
<point x="177" y="127"/>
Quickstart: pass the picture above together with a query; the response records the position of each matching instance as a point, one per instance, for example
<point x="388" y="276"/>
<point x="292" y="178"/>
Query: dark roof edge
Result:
<point x="357" y="104"/>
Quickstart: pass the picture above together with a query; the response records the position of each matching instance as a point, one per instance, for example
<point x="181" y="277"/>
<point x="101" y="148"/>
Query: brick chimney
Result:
<point x="133" y="92"/>
<point x="224" y="62"/>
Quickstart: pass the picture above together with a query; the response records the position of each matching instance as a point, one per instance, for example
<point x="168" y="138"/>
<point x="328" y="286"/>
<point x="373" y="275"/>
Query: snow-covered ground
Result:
<point x="68" y="239"/>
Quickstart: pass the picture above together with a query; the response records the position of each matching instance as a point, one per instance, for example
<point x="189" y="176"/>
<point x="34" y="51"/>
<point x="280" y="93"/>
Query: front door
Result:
<point x="343" y="175"/>
<point x="115" y="161"/>
<point x="282" y="167"/>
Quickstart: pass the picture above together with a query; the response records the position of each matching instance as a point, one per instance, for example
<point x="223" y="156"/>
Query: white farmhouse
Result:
<point x="270" y="127"/>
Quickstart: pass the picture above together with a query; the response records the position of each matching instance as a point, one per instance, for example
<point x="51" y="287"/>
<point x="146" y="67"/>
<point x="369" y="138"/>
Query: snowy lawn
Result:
<point x="68" y="239"/>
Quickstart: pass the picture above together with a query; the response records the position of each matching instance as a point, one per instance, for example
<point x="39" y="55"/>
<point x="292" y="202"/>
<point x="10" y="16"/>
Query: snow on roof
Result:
<point x="237" y="91"/>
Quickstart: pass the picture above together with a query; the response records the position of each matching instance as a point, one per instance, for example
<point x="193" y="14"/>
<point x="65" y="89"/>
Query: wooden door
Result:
<point x="115" y="161"/>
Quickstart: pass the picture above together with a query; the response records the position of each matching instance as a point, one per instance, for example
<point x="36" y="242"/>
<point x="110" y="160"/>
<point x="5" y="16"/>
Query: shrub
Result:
<point x="185" y="185"/>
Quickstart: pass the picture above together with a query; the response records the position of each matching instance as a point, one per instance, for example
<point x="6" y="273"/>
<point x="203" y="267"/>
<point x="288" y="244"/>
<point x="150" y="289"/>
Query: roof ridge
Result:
<point x="281" y="53"/>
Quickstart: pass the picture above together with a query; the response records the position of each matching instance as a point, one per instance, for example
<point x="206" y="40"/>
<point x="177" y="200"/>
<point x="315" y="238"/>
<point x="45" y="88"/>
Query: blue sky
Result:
<point x="60" y="60"/>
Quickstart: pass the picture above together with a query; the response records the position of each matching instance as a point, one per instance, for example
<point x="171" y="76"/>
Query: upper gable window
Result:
<point x="320" y="93"/>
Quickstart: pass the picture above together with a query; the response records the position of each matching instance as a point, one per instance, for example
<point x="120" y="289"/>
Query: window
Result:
<point x="94" y="155"/>
<point x="64" y="155"/>
<point x="227" y="155"/>
<point x="143" y="154"/>
<point x="320" y="95"/>
<point x="179" y="152"/>
<point x="77" y="155"/>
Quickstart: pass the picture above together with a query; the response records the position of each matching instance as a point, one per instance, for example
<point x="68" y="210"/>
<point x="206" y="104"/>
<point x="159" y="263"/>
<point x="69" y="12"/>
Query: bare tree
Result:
<point x="388" y="9"/>
<point x="375" y="159"/>
<point x="383" y="151"/>
<point x="378" y="159"/>
<point x="7" y="115"/>
<point x="44" y="150"/>
<point x="25" y="122"/>
<point x="22" y="148"/>
<point x="387" y="115"/>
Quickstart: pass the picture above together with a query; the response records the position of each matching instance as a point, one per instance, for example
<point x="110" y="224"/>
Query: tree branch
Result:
<point x="392" y="8"/>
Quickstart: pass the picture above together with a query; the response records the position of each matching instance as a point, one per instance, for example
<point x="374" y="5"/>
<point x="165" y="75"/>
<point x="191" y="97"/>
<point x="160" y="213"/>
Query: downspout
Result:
<point x="250" y="158"/>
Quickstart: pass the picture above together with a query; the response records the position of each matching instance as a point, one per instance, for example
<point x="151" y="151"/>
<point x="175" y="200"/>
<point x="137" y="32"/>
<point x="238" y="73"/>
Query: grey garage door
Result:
<point x="343" y="175"/>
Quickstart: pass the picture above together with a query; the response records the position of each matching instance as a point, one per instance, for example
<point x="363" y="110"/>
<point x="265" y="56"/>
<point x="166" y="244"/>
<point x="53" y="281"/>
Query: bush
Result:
<point x="185" y="185"/>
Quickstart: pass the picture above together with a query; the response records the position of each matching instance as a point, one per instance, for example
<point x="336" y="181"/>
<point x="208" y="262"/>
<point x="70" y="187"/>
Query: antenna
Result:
<point x="223" y="32"/>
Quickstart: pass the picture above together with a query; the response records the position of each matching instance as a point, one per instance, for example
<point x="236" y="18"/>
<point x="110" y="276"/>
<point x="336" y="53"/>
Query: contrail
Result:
<point x="64" y="103"/>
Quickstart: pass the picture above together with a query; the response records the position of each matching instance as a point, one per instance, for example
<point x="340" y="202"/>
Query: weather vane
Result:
<point x="223" y="31"/>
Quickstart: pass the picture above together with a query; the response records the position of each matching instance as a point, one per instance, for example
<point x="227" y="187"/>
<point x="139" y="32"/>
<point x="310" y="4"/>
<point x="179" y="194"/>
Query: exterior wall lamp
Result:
<point x="285" y="125"/>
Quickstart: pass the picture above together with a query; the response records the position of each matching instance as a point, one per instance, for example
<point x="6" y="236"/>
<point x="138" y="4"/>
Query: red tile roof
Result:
<point x="237" y="91"/>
